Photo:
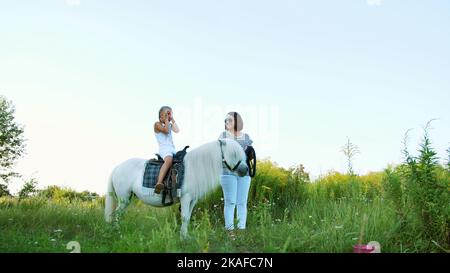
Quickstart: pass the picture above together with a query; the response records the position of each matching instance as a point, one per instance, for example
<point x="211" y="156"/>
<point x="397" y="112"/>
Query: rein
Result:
<point x="225" y="162"/>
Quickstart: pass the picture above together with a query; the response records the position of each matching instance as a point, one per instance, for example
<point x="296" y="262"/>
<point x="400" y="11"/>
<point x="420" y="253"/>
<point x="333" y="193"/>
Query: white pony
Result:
<point x="203" y="168"/>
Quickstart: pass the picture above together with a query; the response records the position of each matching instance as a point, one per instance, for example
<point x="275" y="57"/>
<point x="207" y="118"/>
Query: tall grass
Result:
<point x="323" y="227"/>
<point x="427" y="186"/>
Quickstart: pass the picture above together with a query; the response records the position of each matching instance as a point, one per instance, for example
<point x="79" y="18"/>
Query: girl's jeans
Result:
<point x="235" y="192"/>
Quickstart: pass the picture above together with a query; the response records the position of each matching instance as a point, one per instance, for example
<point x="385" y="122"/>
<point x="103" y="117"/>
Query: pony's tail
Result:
<point x="110" y="201"/>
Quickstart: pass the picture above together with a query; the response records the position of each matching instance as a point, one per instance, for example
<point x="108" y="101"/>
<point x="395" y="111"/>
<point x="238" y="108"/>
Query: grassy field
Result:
<point x="326" y="221"/>
<point x="39" y="226"/>
<point x="407" y="208"/>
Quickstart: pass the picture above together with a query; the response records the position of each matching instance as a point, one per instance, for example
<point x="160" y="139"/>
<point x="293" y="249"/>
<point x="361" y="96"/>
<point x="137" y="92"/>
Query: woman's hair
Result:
<point x="238" y="122"/>
<point x="164" y="108"/>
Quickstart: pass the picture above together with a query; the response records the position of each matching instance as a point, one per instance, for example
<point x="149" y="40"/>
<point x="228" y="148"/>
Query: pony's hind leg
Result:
<point x="123" y="203"/>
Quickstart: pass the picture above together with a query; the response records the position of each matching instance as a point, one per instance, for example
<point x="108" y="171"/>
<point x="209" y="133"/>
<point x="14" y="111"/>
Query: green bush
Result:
<point x="66" y="194"/>
<point x="448" y="159"/>
<point x="428" y="191"/>
<point x="268" y="182"/>
<point x="28" y="189"/>
<point x="393" y="189"/>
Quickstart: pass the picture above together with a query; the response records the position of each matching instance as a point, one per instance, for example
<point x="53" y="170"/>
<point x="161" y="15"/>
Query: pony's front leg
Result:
<point x="192" y="205"/>
<point x="185" y="215"/>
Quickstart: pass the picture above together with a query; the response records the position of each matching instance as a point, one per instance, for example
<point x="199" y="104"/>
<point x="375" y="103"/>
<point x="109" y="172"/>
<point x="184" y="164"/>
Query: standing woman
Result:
<point x="235" y="188"/>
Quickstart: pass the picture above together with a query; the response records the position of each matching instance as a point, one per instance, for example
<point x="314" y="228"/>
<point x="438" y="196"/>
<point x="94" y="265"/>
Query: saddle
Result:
<point x="178" y="158"/>
<point x="173" y="179"/>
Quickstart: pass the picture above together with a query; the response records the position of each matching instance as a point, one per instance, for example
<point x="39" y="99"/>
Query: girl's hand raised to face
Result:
<point x="164" y="118"/>
<point x="175" y="126"/>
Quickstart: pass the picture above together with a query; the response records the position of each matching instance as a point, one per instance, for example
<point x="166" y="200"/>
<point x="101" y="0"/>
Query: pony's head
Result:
<point x="233" y="156"/>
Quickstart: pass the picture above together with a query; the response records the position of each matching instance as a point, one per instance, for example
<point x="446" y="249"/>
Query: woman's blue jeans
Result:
<point x="235" y="192"/>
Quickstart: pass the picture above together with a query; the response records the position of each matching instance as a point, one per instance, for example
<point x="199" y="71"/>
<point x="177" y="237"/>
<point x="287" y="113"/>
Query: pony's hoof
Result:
<point x="185" y="236"/>
<point x="116" y="226"/>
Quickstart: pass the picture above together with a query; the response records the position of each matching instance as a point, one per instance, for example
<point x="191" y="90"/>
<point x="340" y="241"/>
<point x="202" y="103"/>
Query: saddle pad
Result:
<point x="151" y="174"/>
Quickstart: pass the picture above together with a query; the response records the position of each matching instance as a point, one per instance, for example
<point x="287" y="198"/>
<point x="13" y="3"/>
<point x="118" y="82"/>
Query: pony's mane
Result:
<point x="203" y="167"/>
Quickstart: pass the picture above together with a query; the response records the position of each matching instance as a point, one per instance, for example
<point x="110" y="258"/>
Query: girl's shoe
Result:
<point x="159" y="187"/>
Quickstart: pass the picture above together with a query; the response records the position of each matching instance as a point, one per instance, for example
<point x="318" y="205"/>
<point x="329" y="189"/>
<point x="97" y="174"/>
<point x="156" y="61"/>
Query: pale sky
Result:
<point x="87" y="78"/>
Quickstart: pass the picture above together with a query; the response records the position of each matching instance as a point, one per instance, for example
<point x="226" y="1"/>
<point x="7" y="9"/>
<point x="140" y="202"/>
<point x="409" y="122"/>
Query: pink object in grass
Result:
<point x="363" y="248"/>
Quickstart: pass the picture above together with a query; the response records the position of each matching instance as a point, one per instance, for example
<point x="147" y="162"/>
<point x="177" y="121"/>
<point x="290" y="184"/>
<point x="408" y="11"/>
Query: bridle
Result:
<point x="226" y="163"/>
